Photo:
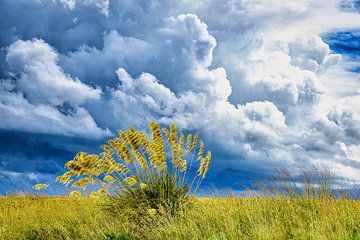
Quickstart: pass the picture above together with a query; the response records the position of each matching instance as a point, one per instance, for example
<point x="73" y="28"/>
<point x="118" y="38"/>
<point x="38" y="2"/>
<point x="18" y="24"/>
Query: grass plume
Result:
<point x="133" y="160"/>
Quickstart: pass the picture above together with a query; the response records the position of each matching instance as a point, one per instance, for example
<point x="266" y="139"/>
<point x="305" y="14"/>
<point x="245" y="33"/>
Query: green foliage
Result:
<point x="163" y="196"/>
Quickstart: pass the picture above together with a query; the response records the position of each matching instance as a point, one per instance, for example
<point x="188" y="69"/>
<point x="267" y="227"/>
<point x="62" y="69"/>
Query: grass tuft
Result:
<point x="141" y="172"/>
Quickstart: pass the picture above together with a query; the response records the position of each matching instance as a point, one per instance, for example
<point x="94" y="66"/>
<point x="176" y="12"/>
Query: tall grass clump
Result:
<point x="149" y="174"/>
<point x="314" y="182"/>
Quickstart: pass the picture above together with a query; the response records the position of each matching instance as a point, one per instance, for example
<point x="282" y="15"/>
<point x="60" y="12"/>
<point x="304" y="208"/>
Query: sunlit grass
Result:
<point x="208" y="218"/>
<point x="145" y="194"/>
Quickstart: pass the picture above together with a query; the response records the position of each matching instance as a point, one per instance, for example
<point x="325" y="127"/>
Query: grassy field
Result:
<point x="140" y="198"/>
<point x="208" y="218"/>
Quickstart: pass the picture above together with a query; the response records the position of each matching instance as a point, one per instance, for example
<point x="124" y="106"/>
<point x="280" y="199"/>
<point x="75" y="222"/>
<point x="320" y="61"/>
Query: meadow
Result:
<point x="36" y="217"/>
<point x="143" y="187"/>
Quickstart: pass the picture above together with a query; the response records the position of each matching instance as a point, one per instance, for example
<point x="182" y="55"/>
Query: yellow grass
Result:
<point x="209" y="218"/>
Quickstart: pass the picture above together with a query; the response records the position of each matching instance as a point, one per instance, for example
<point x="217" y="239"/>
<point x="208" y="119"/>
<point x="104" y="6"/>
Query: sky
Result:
<point x="267" y="84"/>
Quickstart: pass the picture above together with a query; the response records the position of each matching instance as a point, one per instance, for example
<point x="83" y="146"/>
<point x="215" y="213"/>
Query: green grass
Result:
<point x="208" y="218"/>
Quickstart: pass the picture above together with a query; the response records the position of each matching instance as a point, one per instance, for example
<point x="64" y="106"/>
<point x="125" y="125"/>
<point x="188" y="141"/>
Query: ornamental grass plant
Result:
<point x="149" y="174"/>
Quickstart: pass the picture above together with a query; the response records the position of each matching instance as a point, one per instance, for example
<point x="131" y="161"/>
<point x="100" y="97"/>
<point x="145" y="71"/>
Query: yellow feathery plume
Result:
<point x="127" y="156"/>
<point x="207" y="165"/>
<point x="73" y="165"/>
<point x="112" y="143"/>
<point x="120" y="167"/>
<point x="75" y="194"/>
<point x="64" y="179"/>
<point x="183" y="166"/>
<point x="158" y="152"/>
<point x="131" y="180"/>
<point x="149" y="148"/>
<point x="134" y="140"/>
<point x="108" y="158"/>
<point x="80" y="156"/>
<point x="70" y="174"/>
<point x="188" y="143"/>
<point x="154" y="160"/>
<point x="83" y="163"/>
<point x="134" y="148"/>
<point x="119" y="146"/>
<point x="201" y="167"/>
<point x="95" y="171"/>
<point x="110" y="179"/>
<point x="152" y="211"/>
<point x="105" y="185"/>
<point x="173" y="140"/>
<point x="60" y="178"/>
<point x="141" y="159"/>
<point x="122" y="150"/>
<point x="107" y="149"/>
<point x="128" y="137"/>
<point x="92" y="159"/>
<point x="123" y="135"/>
<point x="83" y="182"/>
<point x="173" y="133"/>
<point x="201" y="150"/>
<point x="103" y="192"/>
<point x="144" y="140"/>
<point x="103" y="166"/>
<point x="94" y="195"/>
<point x="180" y="149"/>
<point x="166" y="131"/>
<point x="181" y="139"/>
<point x="195" y="141"/>
<point x="70" y="163"/>
<point x="40" y="186"/>
<point x="143" y="186"/>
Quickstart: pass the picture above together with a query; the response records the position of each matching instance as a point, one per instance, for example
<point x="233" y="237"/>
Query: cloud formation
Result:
<point x="258" y="82"/>
<point x="39" y="97"/>
<point x="41" y="79"/>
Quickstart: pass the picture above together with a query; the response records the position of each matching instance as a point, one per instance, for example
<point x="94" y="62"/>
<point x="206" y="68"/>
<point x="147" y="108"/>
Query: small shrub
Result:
<point x="143" y="172"/>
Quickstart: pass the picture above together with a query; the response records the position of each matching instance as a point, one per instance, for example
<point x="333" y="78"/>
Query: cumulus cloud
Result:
<point x="42" y="97"/>
<point x="101" y="5"/>
<point x="17" y="113"/>
<point x="182" y="44"/>
<point x="246" y="128"/>
<point x="41" y="79"/>
<point x="99" y="65"/>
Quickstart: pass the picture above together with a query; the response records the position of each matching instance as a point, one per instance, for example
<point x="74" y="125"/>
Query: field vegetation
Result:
<point x="144" y="187"/>
<point x="208" y="218"/>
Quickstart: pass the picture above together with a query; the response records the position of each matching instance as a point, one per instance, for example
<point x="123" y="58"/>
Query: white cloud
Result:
<point x="17" y="113"/>
<point x="99" y="66"/>
<point x="42" y="98"/>
<point x="41" y="79"/>
<point x="246" y="128"/>
<point x="68" y="3"/>
<point x="187" y="51"/>
<point x="101" y="5"/>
